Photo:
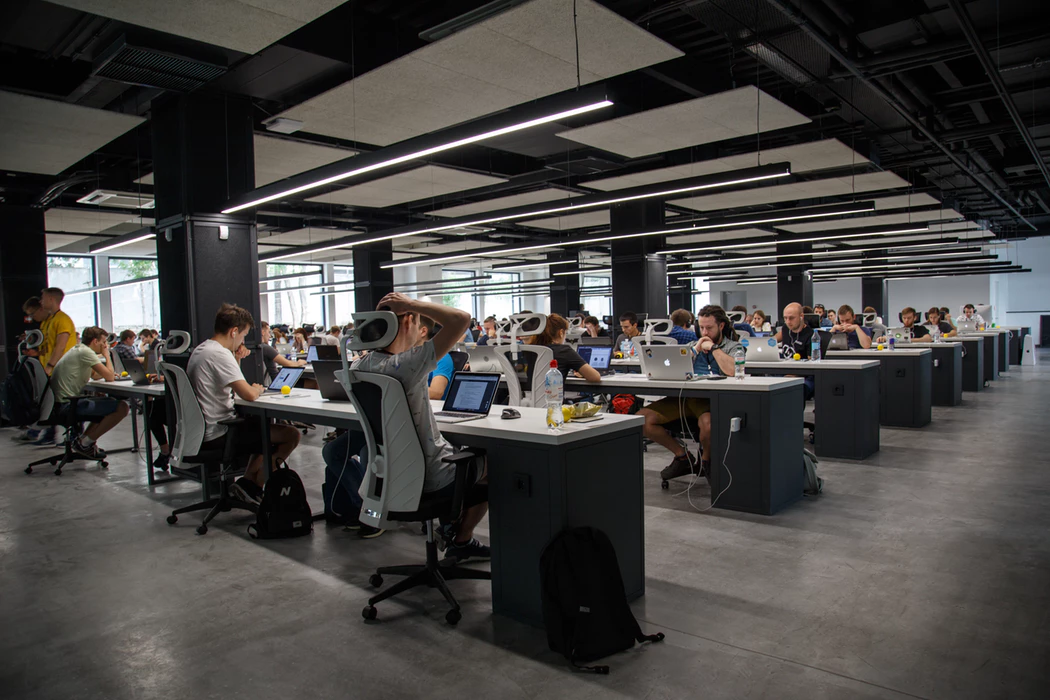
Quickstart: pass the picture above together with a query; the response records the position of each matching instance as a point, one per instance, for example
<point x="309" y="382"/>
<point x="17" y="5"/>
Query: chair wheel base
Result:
<point x="104" y="465"/>
<point x="375" y="580"/>
<point x="28" y="470"/>
<point x="370" y="612"/>
<point x="53" y="461"/>
<point x="58" y="472"/>
<point x="172" y="519"/>
<point x="453" y="617"/>
<point x="202" y="530"/>
<point x="665" y="484"/>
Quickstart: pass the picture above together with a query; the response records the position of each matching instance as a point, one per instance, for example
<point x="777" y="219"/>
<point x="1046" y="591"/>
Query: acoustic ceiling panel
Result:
<point x="548" y="194"/>
<point x="243" y="25"/>
<point x="89" y="221"/>
<point x="804" y="157"/>
<point x="808" y="189"/>
<point x="712" y="236"/>
<point x="564" y="223"/>
<point x="905" y="201"/>
<point x="870" y="221"/>
<point x="718" y="117"/>
<point x="276" y="159"/>
<point x="305" y="236"/>
<point x="519" y="55"/>
<point x="47" y="136"/>
<point x="409" y="186"/>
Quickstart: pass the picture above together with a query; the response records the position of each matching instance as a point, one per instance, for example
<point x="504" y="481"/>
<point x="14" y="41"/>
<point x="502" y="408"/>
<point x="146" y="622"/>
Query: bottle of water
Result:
<point x="814" y="346"/>
<point x="554" y="392"/>
<point x="624" y="345"/>
<point x="738" y="361"/>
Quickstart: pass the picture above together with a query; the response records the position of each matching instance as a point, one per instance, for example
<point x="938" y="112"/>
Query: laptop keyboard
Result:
<point x="455" y="414"/>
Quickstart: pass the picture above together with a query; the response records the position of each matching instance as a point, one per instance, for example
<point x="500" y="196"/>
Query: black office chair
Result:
<point x="392" y="489"/>
<point x="213" y="469"/>
<point x="62" y="416"/>
<point x="459" y="359"/>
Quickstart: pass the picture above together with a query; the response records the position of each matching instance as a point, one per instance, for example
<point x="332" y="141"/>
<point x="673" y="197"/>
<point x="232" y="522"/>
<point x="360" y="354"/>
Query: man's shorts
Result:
<point x="95" y="409"/>
<point x="672" y="409"/>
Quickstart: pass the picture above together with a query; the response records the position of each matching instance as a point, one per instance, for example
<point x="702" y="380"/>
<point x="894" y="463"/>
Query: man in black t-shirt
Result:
<point x="272" y="358"/>
<point x="796" y="335"/>
<point x="919" y="334"/>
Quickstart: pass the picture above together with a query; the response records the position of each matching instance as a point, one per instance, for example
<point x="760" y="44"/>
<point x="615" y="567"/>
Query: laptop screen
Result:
<point x="597" y="357"/>
<point x="471" y="392"/>
<point x="311" y="354"/>
<point x="288" y="376"/>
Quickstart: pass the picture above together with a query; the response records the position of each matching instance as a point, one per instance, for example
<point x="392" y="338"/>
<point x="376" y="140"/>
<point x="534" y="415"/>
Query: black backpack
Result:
<point x="284" y="511"/>
<point x="17" y="405"/>
<point x="584" y="605"/>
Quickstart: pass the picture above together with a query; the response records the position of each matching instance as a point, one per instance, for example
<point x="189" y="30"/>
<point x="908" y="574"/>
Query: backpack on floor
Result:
<point x="584" y="605"/>
<point x="626" y="404"/>
<point x="284" y="511"/>
<point x="811" y="483"/>
<point x="18" y="405"/>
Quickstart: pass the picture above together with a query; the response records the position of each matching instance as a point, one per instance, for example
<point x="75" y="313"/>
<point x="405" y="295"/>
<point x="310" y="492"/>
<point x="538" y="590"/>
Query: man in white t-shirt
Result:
<point x="214" y="371"/>
<point x="970" y="314"/>
<point x="412" y="364"/>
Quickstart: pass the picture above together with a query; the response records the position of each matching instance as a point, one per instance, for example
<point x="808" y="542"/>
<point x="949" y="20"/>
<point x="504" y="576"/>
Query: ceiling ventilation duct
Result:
<point x="140" y="66"/>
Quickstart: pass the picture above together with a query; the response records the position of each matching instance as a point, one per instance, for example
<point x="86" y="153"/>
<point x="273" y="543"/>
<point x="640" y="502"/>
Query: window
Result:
<point x="344" y="298"/>
<point x="701" y="294"/>
<point x="134" y="306"/>
<point x="464" y="300"/>
<point x="599" y="303"/>
<point x="500" y="305"/>
<point x="71" y="274"/>
<point x="295" y="306"/>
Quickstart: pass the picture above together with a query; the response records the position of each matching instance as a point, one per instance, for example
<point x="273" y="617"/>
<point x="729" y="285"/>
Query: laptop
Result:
<point x="597" y="357"/>
<point x="966" y="326"/>
<point x="288" y="376"/>
<point x="322" y="352"/>
<point x="136" y="373"/>
<point x="284" y="348"/>
<point x="839" y="341"/>
<point x="469" y="397"/>
<point x="761" y="350"/>
<point x="483" y="359"/>
<point x="668" y="362"/>
<point x="329" y="386"/>
<point x="151" y="361"/>
<point x="899" y="335"/>
<point x="602" y="340"/>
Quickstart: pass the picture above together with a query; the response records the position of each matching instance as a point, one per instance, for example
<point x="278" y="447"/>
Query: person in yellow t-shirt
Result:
<point x="60" y="335"/>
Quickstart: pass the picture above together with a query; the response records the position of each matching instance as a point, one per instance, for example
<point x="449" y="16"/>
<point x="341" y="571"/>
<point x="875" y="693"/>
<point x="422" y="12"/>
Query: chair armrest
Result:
<point x="233" y="421"/>
<point x="463" y="460"/>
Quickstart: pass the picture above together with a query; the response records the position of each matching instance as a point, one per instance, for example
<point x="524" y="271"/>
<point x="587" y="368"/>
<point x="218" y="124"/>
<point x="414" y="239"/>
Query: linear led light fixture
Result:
<point x="630" y="194"/>
<point x="1013" y="270"/>
<point x="104" y="287"/>
<point x="857" y="265"/>
<point x="838" y="251"/>
<point x="528" y="266"/>
<point x="143" y="234"/>
<point x="585" y="271"/>
<point x="756" y="281"/>
<point x="359" y="169"/>
<point x="881" y="272"/>
<point x="809" y="239"/>
<point x="917" y="257"/>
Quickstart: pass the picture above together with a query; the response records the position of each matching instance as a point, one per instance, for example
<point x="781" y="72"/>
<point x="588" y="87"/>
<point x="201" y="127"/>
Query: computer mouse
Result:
<point x="509" y="413"/>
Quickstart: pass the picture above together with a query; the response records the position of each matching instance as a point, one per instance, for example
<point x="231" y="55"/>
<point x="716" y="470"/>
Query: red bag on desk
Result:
<point x="626" y="404"/>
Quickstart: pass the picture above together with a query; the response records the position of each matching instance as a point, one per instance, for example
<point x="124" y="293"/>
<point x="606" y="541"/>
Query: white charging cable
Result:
<point x="734" y="422"/>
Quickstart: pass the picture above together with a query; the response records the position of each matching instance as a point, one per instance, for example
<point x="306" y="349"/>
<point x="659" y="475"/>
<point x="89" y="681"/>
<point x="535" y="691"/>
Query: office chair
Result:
<point x="459" y="359"/>
<point x="537" y="356"/>
<point x="188" y="459"/>
<point x="57" y="415"/>
<point x="392" y="488"/>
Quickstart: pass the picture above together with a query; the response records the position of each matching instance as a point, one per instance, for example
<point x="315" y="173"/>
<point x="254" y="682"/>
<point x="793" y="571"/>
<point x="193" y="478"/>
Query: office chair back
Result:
<point x="189" y="418"/>
<point x="118" y="364"/>
<point x="32" y="365"/>
<point x="736" y="317"/>
<point x="869" y="319"/>
<point x="47" y="405"/>
<point x="527" y="390"/>
<point x="396" y="469"/>
<point x="459" y="359"/>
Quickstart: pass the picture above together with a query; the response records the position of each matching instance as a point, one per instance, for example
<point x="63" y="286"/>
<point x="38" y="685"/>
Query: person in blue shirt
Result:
<point x="441" y="377"/>
<point x="681" y="319"/>
<point x="857" y="337"/>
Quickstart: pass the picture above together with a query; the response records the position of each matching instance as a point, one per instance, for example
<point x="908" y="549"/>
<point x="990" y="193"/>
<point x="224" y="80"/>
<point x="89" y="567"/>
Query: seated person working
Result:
<point x="919" y="334"/>
<point x="553" y="337"/>
<point x="271" y="358"/>
<point x="759" y="322"/>
<point x="877" y="328"/>
<point x="214" y="372"/>
<point x="125" y="347"/>
<point x="970" y="314"/>
<point x="857" y="337"/>
<point x="411" y="362"/>
<point x="71" y="375"/>
<point x="681" y="319"/>
<point x="798" y="338"/>
<point x="441" y="377"/>
<point x="628" y="329"/>
<point x="933" y="320"/>
<point x="712" y="356"/>
<point x="488" y="331"/>
<point x="594" y="329"/>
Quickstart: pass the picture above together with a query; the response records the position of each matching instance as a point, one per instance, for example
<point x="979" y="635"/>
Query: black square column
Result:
<point x="873" y="294"/>
<point x="639" y="275"/>
<point x="23" y="273"/>
<point x="565" y="290"/>
<point x="372" y="282"/>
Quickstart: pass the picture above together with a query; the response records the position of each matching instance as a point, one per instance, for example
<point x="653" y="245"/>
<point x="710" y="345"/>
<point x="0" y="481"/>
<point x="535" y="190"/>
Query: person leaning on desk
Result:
<point x="857" y="337"/>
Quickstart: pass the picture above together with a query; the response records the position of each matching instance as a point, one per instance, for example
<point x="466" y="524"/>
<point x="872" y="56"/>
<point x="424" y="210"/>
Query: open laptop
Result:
<point x="136" y="373"/>
<point x="327" y="384"/>
<point x="761" y="350"/>
<point x="469" y="397"/>
<point x="288" y="376"/>
<point x="966" y="326"/>
<point x="899" y="335"/>
<point x="284" y="348"/>
<point x="322" y="352"/>
<point x="597" y="357"/>
<point x="839" y="341"/>
<point x="483" y="359"/>
<point x="668" y="362"/>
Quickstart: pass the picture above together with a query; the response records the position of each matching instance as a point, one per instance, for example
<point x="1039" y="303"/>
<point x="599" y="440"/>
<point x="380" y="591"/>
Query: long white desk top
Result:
<point x="983" y="334"/>
<point x="531" y="427"/>
<point x="641" y="383"/>
<point x="907" y="352"/>
<point x="838" y="365"/>
<point x="126" y="387"/>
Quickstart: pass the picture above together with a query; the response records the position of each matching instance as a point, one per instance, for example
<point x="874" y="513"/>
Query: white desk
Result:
<point x="127" y="389"/>
<point x="589" y="474"/>
<point x="905" y="383"/>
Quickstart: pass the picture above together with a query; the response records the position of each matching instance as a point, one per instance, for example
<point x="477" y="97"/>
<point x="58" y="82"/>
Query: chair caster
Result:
<point x="375" y="581"/>
<point x="28" y="470"/>
<point x="172" y="519"/>
<point x="665" y="484"/>
<point x="370" y="612"/>
<point x="53" y="461"/>
<point x="104" y="464"/>
<point x="58" y="472"/>
<point x="453" y="617"/>
<point x="202" y="530"/>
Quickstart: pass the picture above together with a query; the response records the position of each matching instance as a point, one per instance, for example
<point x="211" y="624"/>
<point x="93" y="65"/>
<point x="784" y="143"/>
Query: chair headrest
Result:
<point x="869" y="318"/>
<point x="34" y="338"/>
<point x="658" y="326"/>
<point x="176" y="343"/>
<point x="372" y="329"/>
<point x="736" y="316"/>
<point x="522" y="325"/>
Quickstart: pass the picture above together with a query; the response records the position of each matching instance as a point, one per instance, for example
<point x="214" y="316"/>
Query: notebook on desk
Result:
<point x="137" y="373"/>
<point x="668" y="362"/>
<point x="597" y="357"/>
<point x="469" y="397"/>
<point x="288" y="376"/>
<point x="322" y="352"/>
<point x="327" y="384"/>
<point x="761" y="350"/>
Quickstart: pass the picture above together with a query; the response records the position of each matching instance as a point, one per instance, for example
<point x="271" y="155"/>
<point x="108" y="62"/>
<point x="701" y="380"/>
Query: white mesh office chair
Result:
<point x="214" y="469"/>
<point x="655" y="332"/>
<point x="536" y="360"/>
<point x="392" y="488"/>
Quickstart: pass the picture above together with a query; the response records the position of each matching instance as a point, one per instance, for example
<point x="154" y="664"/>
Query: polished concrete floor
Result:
<point x="921" y="572"/>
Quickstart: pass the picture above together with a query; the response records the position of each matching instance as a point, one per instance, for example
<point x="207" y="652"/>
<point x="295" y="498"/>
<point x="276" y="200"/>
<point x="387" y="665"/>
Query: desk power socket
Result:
<point x="735" y="424"/>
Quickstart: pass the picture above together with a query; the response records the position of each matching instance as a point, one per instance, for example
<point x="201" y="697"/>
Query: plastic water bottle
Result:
<point x="554" y="391"/>
<point x="814" y="347"/>
<point x="738" y="361"/>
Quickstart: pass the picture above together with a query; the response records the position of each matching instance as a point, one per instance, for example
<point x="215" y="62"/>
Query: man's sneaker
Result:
<point x="247" y="491"/>
<point x="367" y="532"/>
<point x="160" y="464"/>
<point x="446" y="535"/>
<point x="46" y="437"/>
<point x="473" y="550"/>
<point x="679" y="466"/>
<point x="91" y="451"/>
<point x="28" y="435"/>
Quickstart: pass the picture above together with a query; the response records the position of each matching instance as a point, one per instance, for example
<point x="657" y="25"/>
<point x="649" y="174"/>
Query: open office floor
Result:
<point x="923" y="571"/>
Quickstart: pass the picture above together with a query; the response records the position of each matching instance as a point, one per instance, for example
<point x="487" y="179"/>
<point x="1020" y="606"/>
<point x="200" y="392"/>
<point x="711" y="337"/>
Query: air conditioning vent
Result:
<point x="139" y="66"/>
<point x="117" y="200"/>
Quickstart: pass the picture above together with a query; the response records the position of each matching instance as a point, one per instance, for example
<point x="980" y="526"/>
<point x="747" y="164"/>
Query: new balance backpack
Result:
<point x="284" y="510"/>
<point x="585" y="607"/>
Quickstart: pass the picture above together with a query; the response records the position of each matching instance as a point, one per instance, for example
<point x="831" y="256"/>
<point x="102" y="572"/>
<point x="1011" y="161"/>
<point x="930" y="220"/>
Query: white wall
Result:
<point x="921" y="294"/>
<point x="759" y="296"/>
<point x="764" y="296"/>
<point x="1021" y="297"/>
<point x="834" y="294"/>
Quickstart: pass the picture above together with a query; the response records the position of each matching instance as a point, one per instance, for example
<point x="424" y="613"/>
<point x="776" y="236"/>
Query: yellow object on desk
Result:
<point x="796" y="356"/>
<point x="123" y="374"/>
<point x="286" y="390"/>
<point x="880" y="347"/>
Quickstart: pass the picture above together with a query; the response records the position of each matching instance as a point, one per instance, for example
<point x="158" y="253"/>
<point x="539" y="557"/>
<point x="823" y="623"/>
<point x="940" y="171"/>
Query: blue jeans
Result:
<point x="94" y="410"/>
<point x="340" y="452"/>
<point x="807" y="388"/>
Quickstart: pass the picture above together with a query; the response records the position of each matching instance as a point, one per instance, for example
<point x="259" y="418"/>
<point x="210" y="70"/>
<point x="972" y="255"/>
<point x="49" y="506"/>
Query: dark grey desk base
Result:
<point x="905" y="385"/>
<point x="537" y="490"/>
<point x="972" y="364"/>
<point x="991" y="357"/>
<point x="845" y="407"/>
<point x="1004" y="352"/>
<point x="947" y="385"/>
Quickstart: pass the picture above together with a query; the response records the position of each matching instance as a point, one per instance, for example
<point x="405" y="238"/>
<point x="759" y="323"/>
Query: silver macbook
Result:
<point x="761" y="350"/>
<point x="966" y="326"/>
<point x="483" y="359"/>
<point x="469" y="397"/>
<point x="899" y="335"/>
<point x="668" y="362"/>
